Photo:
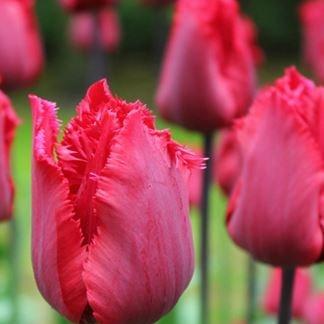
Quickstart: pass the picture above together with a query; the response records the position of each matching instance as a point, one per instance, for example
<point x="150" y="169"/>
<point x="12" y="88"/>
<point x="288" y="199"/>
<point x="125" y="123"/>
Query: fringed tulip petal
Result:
<point x="57" y="252"/>
<point x="146" y="222"/>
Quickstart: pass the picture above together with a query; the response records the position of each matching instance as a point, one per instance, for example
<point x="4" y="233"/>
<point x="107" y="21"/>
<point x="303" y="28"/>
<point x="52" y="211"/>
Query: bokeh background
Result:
<point x="133" y="74"/>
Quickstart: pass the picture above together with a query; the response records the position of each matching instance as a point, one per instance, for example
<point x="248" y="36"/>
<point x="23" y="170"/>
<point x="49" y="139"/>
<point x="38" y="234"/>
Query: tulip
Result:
<point x="302" y="292"/>
<point x="80" y="5"/>
<point x="312" y="25"/>
<point x="314" y="309"/>
<point x="275" y="208"/>
<point x="111" y="236"/>
<point x="21" y="54"/>
<point x="208" y="77"/>
<point x="8" y="124"/>
<point x="82" y="32"/>
<point x="277" y="199"/>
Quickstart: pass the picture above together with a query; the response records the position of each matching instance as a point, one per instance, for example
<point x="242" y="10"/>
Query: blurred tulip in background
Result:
<point x="82" y="30"/>
<point x="208" y="75"/>
<point x="21" y="52"/>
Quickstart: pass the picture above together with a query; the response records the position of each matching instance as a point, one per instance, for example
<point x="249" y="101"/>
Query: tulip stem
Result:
<point x="251" y="290"/>
<point x="97" y="56"/>
<point x="208" y="150"/>
<point x="287" y="286"/>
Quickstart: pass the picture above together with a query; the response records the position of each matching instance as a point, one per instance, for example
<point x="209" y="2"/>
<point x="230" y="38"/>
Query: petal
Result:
<point x="8" y="124"/>
<point x="56" y="237"/>
<point x="275" y="214"/>
<point x="142" y="258"/>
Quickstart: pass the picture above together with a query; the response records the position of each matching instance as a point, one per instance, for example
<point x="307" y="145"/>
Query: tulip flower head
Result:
<point x="314" y="309"/>
<point x="275" y="209"/>
<point x="312" y="23"/>
<point x="111" y="233"/>
<point x="302" y="291"/>
<point x="208" y="76"/>
<point x="21" y="53"/>
<point x="80" y="5"/>
<point x="82" y="27"/>
<point x="8" y="125"/>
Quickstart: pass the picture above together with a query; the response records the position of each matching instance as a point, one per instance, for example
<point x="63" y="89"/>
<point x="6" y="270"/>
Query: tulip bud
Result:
<point x="276" y="207"/>
<point x="21" y="54"/>
<point x="208" y="76"/>
<point x="111" y="233"/>
<point x="82" y="26"/>
<point x="312" y="23"/>
<point x="302" y="290"/>
<point x="8" y="124"/>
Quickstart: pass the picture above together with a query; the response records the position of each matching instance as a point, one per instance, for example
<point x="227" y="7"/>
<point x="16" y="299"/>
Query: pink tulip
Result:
<point x="276" y="207"/>
<point x="21" y="54"/>
<point x="82" y="26"/>
<point x="302" y="291"/>
<point x="80" y="5"/>
<point x="314" y="309"/>
<point x="312" y="21"/>
<point x="111" y="234"/>
<point x="208" y="76"/>
<point x="8" y="124"/>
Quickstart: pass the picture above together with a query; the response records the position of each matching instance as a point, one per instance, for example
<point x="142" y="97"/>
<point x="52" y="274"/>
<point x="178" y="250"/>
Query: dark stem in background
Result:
<point x="251" y="290"/>
<point x="13" y="268"/>
<point x="287" y="287"/>
<point x="97" y="56"/>
<point x="160" y="34"/>
<point x="208" y="152"/>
